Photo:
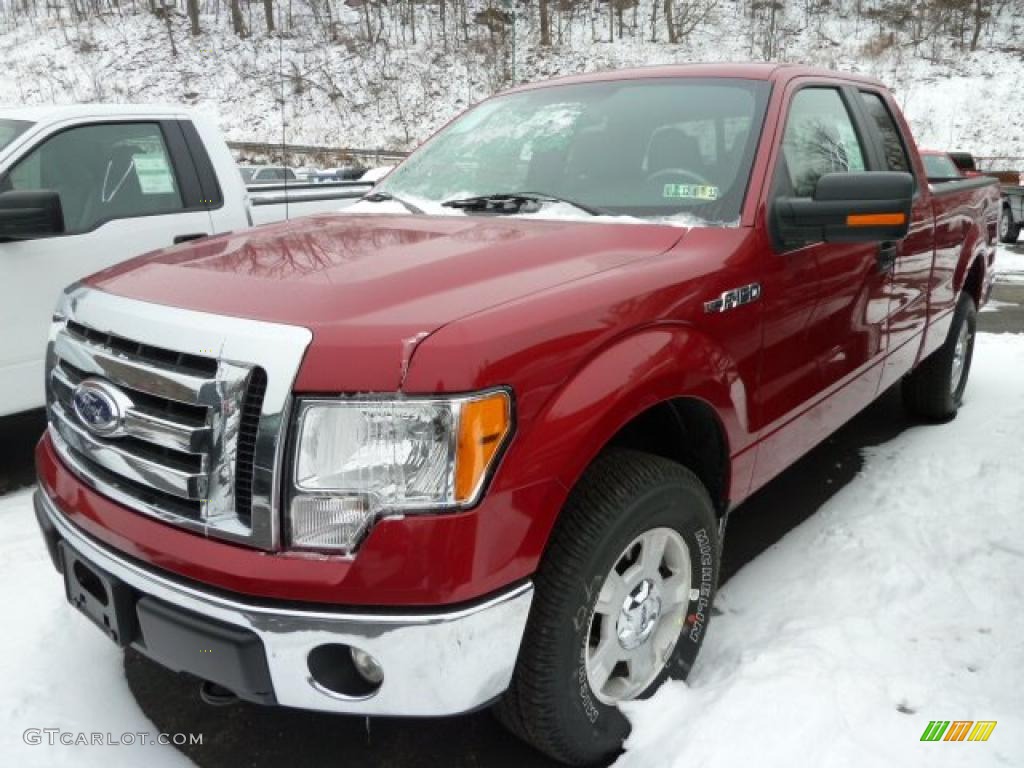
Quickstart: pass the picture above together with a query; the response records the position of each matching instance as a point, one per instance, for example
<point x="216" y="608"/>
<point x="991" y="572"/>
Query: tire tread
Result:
<point x="926" y="389"/>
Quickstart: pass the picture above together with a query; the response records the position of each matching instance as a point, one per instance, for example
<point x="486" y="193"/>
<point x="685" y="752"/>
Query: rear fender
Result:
<point x="974" y="255"/>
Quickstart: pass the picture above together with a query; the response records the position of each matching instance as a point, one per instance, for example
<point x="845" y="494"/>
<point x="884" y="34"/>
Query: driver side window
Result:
<point x="102" y="172"/>
<point x="819" y="139"/>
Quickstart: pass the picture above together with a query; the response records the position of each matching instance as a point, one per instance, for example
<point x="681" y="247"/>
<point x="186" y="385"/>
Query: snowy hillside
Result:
<point x="387" y="88"/>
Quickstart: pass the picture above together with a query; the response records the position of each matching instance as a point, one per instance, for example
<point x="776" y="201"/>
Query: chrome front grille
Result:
<point x="198" y="428"/>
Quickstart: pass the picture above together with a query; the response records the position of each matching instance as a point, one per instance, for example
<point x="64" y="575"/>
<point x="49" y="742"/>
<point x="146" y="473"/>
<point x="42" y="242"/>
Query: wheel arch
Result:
<point x="688" y="431"/>
<point x="973" y="264"/>
<point x="972" y="277"/>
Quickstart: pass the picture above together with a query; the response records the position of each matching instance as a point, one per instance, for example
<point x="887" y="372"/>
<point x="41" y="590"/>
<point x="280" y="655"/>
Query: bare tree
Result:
<point x="237" y="22"/>
<point x="982" y="13"/>
<point x="164" y="13"/>
<point x="268" y="11"/>
<point x="193" y="17"/>
<point x="684" y="16"/>
<point x="545" y="23"/>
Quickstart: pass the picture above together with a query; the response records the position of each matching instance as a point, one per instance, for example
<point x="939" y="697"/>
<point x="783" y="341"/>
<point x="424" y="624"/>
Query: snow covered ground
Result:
<point x="57" y="669"/>
<point x="1010" y="266"/>
<point x="901" y="601"/>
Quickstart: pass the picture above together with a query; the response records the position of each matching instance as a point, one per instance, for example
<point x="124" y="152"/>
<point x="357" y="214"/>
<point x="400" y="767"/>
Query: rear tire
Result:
<point x="1009" y="230"/>
<point x="626" y="583"/>
<point x="935" y="389"/>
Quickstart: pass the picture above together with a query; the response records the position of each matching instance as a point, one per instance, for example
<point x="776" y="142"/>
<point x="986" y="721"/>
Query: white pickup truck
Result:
<point x="85" y="187"/>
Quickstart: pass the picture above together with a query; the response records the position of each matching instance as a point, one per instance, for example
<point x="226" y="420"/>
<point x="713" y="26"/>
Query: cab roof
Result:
<point x="772" y="71"/>
<point x="56" y="113"/>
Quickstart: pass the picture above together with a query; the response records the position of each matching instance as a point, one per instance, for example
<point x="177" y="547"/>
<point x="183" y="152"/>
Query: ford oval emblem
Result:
<point x="100" y="406"/>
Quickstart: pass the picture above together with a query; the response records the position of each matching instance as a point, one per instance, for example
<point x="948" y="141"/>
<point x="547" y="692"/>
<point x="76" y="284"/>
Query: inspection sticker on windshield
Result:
<point x="154" y="175"/>
<point x="691" y="191"/>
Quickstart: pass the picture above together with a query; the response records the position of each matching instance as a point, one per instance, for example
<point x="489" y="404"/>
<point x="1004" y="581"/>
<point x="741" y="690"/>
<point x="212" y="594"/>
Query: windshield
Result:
<point x="653" y="148"/>
<point x="12" y="129"/>
<point x="939" y="167"/>
<point x="247" y="174"/>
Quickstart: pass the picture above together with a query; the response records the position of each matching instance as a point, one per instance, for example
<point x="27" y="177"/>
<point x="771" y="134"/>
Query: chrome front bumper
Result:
<point x="434" y="663"/>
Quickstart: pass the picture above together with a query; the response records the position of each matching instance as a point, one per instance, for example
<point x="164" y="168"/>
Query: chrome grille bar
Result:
<point x="140" y="423"/>
<point x="187" y="485"/>
<point x="136" y="374"/>
<point x="190" y="444"/>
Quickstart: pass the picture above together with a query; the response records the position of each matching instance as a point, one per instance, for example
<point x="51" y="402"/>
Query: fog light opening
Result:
<point x="344" y="671"/>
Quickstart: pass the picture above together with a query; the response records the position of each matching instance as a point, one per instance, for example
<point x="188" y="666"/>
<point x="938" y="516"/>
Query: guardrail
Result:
<point x="288" y="153"/>
<point x="1005" y="163"/>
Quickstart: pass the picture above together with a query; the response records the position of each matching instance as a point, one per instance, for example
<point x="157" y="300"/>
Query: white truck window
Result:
<point x="274" y="174"/>
<point x="102" y="172"/>
<point x="12" y="129"/>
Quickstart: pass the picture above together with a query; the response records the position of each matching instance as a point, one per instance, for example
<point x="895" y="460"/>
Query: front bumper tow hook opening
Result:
<point x="216" y="695"/>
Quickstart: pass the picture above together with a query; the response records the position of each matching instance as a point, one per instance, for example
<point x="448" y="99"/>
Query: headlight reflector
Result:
<point x="357" y="459"/>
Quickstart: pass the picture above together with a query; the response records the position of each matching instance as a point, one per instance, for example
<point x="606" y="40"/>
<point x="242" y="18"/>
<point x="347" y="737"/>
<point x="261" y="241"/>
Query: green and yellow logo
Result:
<point x="958" y="730"/>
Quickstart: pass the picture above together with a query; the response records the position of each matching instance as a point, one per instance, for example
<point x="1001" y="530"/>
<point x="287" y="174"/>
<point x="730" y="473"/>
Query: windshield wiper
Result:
<point x="387" y="197"/>
<point x="514" y="202"/>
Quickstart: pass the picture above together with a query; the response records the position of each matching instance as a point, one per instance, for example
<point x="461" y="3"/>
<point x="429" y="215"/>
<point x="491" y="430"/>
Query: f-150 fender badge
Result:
<point x="737" y="297"/>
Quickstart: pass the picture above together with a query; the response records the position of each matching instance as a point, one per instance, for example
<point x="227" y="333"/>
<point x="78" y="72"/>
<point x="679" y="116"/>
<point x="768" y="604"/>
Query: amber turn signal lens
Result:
<point x="483" y="426"/>
<point x="875" y="219"/>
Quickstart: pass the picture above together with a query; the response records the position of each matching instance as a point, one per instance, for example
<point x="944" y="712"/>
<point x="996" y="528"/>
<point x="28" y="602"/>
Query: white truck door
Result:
<point x="126" y="188"/>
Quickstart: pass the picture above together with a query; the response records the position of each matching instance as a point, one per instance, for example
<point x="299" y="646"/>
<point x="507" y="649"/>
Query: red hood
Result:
<point x="370" y="288"/>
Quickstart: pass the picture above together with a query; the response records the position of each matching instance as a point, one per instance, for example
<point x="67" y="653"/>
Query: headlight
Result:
<point x="357" y="459"/>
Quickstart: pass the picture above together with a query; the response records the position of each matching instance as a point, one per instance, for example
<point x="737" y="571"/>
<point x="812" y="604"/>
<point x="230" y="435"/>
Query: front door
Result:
<point x="825" y="304"/>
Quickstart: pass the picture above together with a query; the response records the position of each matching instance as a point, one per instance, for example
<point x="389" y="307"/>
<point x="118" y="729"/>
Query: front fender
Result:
<point x="625" y="378"/>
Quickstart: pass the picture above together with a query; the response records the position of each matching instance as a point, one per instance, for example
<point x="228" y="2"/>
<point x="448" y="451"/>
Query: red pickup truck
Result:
<point x="476" y="442"/>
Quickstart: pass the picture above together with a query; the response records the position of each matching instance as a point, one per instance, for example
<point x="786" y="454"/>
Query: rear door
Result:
<point x="912" y="259"/>
<point x="126" y="187"/>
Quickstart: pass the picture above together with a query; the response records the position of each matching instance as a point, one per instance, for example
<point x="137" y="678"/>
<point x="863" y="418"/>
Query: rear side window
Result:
<point x="102" y="172"/>
<point x="892" y="144"/>
<point x="819" y="139"/>
<point x="964" y="161"/>
<point x="939" y="167"/>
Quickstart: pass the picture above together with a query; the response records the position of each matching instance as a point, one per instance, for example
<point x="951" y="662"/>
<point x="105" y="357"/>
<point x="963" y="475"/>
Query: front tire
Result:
<point x="935" y="389"/>
<point x="622" y="599"/>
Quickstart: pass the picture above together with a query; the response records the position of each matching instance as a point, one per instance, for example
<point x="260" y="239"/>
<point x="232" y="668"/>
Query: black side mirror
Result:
<point x="26" y="215"/>
<point x="856" y="207"/>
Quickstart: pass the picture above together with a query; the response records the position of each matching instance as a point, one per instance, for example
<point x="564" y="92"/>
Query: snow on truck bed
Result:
<point x="899" y="602"/>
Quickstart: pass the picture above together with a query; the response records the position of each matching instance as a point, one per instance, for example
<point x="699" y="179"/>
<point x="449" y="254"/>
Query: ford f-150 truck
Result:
<point x="475" y="441"/>
<point x="87" y="186"/>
